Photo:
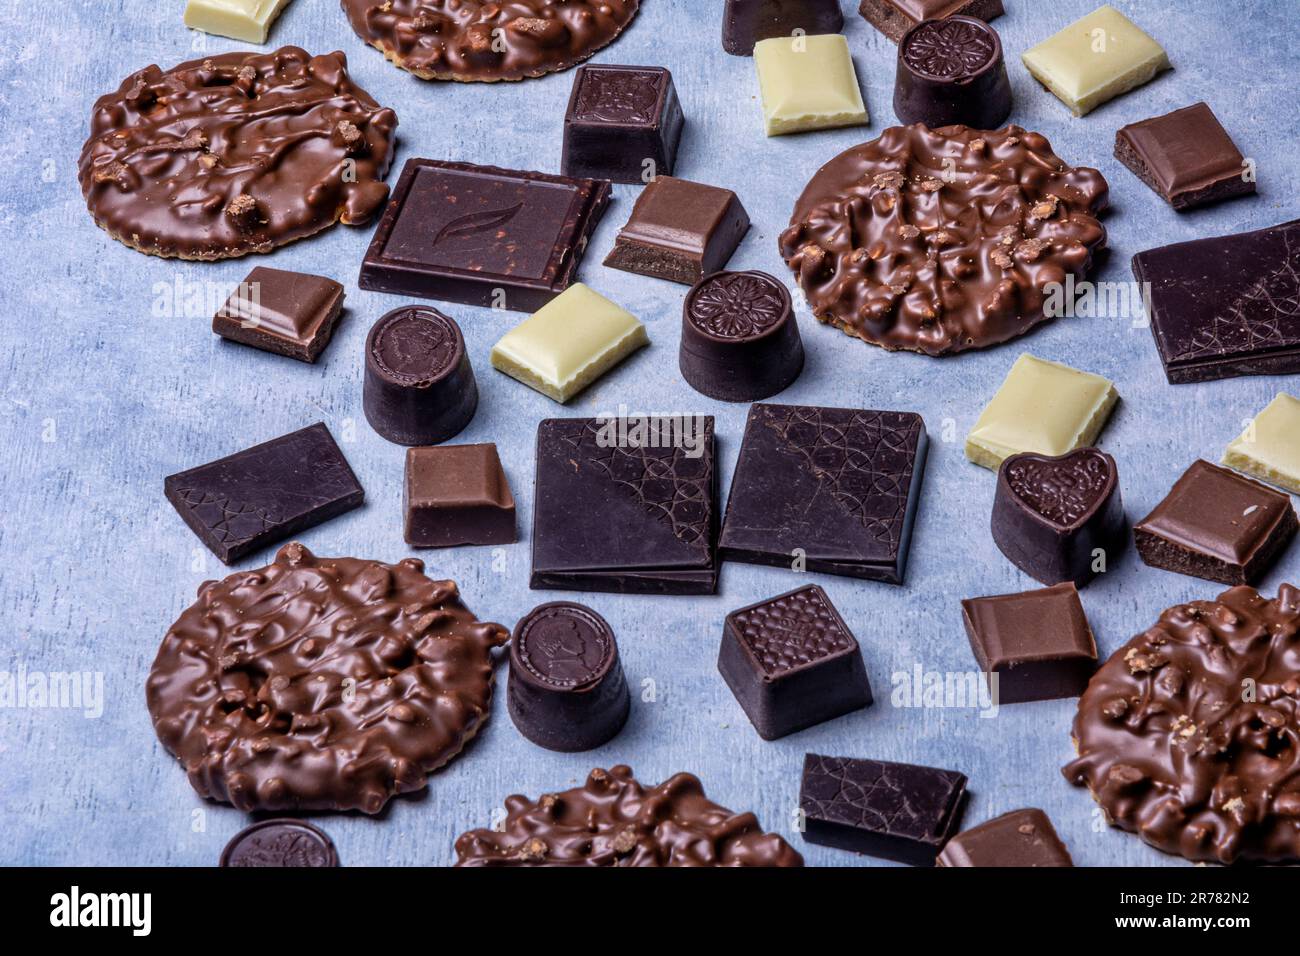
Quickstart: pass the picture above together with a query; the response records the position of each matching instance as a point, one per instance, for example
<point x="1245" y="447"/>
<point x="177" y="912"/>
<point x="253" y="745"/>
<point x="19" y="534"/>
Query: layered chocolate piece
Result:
<point x="1218" y="525"/>
<point x="680" y="231"/>
<point x="623" y="124"/>
<point x="894" y="18"/>
<point x="482" y="235"/>
<point x="895" y="811"/>
<point x="1186" y="156"/>
<point x="1021" y="838"/>
<point x="1059" y="518"/>
<point x="287" y="313"/>
<point x="280" y="843"/>
<point x="457" y="494"/>
<point x="266" y="493"/>
<point x="952" y="72"/>
<point x="419" y="388"/>
<point x="566" y="691"/>
<point x="745" y="22"/>
<point x="1038" y="644"/>
<point x="626" y="505"/>
<point x="740" y="341"/>
<point x="826" y="489"/>
<point x="792" y="662"/>
<point x="1225" y="306"/>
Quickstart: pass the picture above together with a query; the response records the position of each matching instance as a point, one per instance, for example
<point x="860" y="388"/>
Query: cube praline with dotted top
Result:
<point x="792" y="662"/>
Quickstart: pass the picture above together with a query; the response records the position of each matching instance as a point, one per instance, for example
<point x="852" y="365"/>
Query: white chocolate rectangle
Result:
<point x="247" y="20"/>
<point x="808" y="82"/>
<point x="1269" y="448"/>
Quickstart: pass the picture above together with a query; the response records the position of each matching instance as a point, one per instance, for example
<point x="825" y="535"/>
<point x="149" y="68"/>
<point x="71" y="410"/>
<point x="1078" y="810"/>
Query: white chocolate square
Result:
<point x="808" y="82"/>
<point x="1095" y="59"/>
<point x="1269" y="448"/>
<point x="247" y="20"/>
<point x="1043" y="407"/>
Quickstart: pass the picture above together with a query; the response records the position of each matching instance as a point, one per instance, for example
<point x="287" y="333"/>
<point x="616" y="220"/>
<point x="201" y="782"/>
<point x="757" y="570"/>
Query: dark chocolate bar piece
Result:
<point x="895" y="811"/>
<point x="1038" y="643"/>
<point x="623" y="124"/>
<point x="266" y="493"/>
<point x="1059" y="519"/>
<point x="826" y="489"/>
<point x="287" y="313"/>
<point x="792" y="662"/>
<point x="1019" y="838"/>
<point x="1225" y="306"/>
<point x="482" y="235"/>
<point x="680" y="231"/>
<point x="1186" y="156"/>
<point x="893" y="18"/>
<point x="626" y="505"/>
<point x="1218" y="525"/>
<point x="457" y="494"/>
<point x="745" y="22"/>
<point x="950" y="72"/>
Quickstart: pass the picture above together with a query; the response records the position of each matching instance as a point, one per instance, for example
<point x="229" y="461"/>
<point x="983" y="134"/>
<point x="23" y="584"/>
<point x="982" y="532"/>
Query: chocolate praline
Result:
<point x="951" y="72"/>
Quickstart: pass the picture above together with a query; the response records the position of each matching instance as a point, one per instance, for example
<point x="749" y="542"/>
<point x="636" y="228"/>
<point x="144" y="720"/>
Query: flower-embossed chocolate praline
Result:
<point x="280" y="843"/>
<point x="486" y="40"/>
<point x="321" y="683"/>
<point x="1189" y="736"/>
<point x="939" y="241"/>
<point x="740" y="341"/>
<point x="951" y="71"/>
<point x="566" y="690"/>
<point x="1059" y="519"/>
<point x="236" y="153"/>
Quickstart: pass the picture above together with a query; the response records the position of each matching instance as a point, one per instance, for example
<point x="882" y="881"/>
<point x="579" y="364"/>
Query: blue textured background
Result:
<point x="101" y="398"/>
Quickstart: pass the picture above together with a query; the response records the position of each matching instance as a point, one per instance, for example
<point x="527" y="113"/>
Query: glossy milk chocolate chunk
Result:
<point x="235" y="153"/>
<point x="628" y="505"/>
<point x="792" y="662"/>
<point x="1018" y="838"/>
<point x="952" y="71"/>
<point x="623" y="124"/>
<point x="566" y="690"/>
<point x="826" y="489"/>
<point x="321" y="683"/>
<point x="266" y="493"/>
<point x="287" y="313"/>
<point x="419" y="388"/>
<point x="1059" y="519"/>
<point x="905" y="198"/>
<point x="1187" y="735"/>
<point x="615" y="821"/>
<point x="1218" y="525"/>
<point x="1225" y="306"/>
<point x="280" y="843"/>
<point x="1038" y="643"/>
<point x="484" y="40"/>
<point x="893" y="18"/>
<point x="745" y="22"/>
<point x="740" y="341"/>
<point x="895" y="811"/>
<point x="1186" y="156"/>
<point x="680" y="231"/>
<point x="457" y="494"/>
<point x="482" y="235"/>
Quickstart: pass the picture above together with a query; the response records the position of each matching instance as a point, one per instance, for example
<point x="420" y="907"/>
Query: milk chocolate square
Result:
<point x="1186" y="156"/>
<point x="893" y="18"/>
<point x="288" y="313"/>
<point x="457" y="494"/>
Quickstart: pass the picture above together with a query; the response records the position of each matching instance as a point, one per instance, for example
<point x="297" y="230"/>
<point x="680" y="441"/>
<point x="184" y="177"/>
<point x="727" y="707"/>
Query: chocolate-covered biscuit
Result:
<point x="1188" y="735"/>
<point x="321" y="683"/>
<point x="615" y="821"/>
<point x="484" y="40"/>
<point x="236" y="153"/>
<point x="939" y="241"/>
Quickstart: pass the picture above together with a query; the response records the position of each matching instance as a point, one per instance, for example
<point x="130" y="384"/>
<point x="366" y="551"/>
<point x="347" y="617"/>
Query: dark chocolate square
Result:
<point x="834" y="489"/>
<point x="1186" y="156"/>
<point x="895" y="811"/>
<point x="1038" y="643"/>
<point x="482" y="235"/>
<point x="623" y="124"/>
<point x="1225" y="306"/>
<point x="266" y="493"/>
<point x="287" y="313"/>
<point x="629" y="508"/>
<point x="792" y="662"/>
<point x="745" y="22"/>
<point x="1019" y="838"/>
<point x="457" y="494"/>
<point x="1218" y="525"/>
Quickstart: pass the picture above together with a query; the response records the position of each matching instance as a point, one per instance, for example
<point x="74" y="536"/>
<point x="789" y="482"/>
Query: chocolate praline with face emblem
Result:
<point x="951" y="72"/>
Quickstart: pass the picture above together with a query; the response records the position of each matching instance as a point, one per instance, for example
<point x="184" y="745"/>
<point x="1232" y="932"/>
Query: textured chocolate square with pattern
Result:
<point x="792" y="662"/>
<point x="623" y="124"/>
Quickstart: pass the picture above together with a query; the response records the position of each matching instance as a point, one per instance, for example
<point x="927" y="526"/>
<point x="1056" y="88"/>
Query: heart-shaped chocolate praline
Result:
<point x="1064" y="491"/>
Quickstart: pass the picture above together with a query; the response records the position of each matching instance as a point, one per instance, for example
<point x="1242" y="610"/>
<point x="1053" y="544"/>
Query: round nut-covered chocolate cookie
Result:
<point x="1189" y="735"/>
<point x="236" y="153"/>
<point x="321" y="683"/>
<point x="488" y="40"/>
<point x="939" y="241"/>
<point x="280" y="843"/>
